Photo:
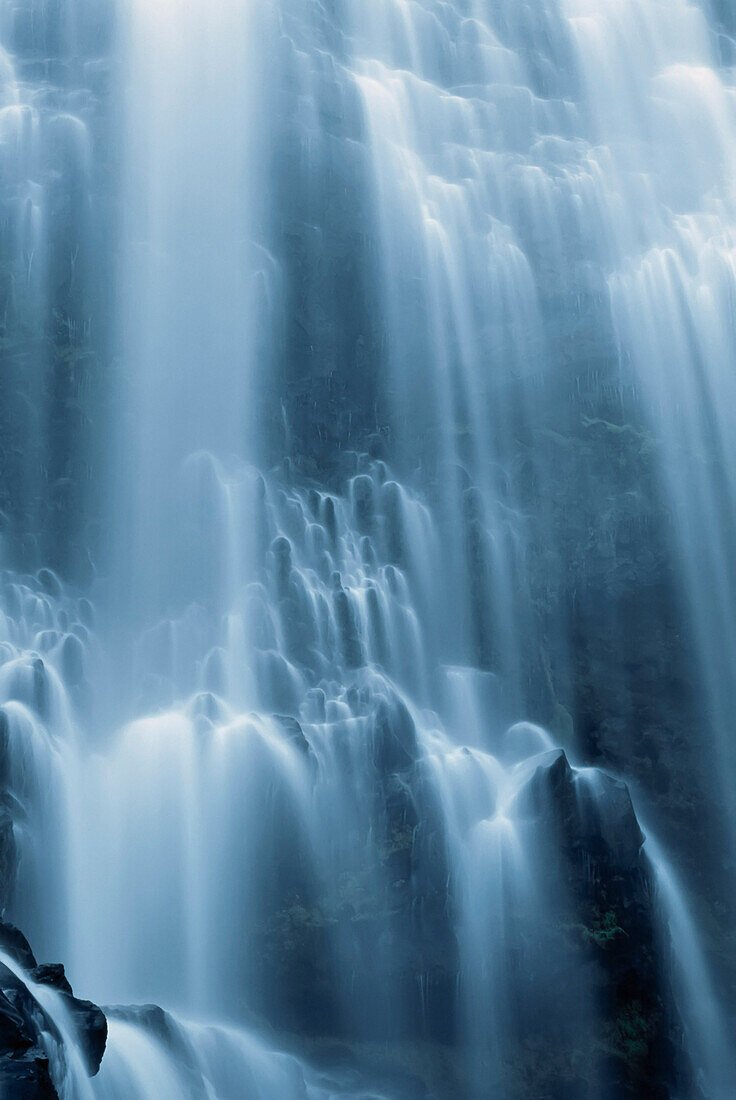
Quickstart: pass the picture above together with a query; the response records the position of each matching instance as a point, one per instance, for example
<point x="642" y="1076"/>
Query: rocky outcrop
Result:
<point x="24" y="1066"/>
<point x="606" y="932"/>
<point x="591" y="1011"/>
<point x="25" y="1072"/>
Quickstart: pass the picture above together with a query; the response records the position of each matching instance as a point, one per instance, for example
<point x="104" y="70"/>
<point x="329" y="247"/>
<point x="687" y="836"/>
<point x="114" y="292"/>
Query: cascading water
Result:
<point x="170" y="1061"/>
<point x="375" y="366"/>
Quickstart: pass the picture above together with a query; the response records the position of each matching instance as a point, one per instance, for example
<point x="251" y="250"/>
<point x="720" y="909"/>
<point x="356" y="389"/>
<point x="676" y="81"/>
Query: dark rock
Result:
<point x="590" y="842"/>
<point x="207" y="705"/>
<point x="293" y="733"/>
<point x="347" y="624"/>
<point x="29" y="1019"/>
<point x="40" y="688"/>
<point x="590" y="810"/>
<point x="363" y="503"/>
<point x="72" y="660"/>
<point x="91" y="1026"/>
<point x="393" y="521"/>
<point x="330" y="518"/>
<point x="24" y="1067"/>
<point x="49" y="582"/>
<point x="88" y="1019"/>
<point x="14" y="943"/>
<point x="51" y="974"/>
<point x="281" y="550"/>
<point x="394" y="737"/>
<point x="8" y="851"/>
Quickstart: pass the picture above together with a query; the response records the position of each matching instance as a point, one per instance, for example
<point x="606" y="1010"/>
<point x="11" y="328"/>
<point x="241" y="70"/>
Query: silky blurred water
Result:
<point x="526" y="178"/>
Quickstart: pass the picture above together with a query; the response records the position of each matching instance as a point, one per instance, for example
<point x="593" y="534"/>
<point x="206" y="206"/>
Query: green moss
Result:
<point x="633" y="1033"/>
<point x="606" y="929"/>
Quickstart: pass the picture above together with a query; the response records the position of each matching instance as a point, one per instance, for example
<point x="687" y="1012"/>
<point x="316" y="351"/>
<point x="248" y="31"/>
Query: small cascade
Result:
<point x="53" y="1042"/>
<point x="149" y="1054"/>
<point x="194" y="1061"/>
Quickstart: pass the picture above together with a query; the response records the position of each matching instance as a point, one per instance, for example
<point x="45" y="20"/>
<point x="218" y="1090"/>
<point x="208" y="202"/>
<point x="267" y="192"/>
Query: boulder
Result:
<point x="24" y="1067"/>
<point x="88" y="1019"/>
<point x="21" y="1028"/>
<point x="590" y="810"/>
<point x="14" y="944"/>
<point x="589" y="844"/>
<point x="293" y="732"/>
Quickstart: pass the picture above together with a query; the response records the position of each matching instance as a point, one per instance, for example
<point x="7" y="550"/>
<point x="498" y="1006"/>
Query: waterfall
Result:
<point x="366" y="516"/>
<point x="182" y="1060"/>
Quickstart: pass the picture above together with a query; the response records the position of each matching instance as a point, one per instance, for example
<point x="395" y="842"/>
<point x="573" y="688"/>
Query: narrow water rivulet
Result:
<point x="367" y="549"/>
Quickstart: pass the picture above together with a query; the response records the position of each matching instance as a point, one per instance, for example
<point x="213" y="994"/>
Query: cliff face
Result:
<point x="605" y="655"/>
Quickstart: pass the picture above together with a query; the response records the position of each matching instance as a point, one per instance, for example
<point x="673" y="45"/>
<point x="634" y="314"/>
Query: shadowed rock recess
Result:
<point x="367" y="550"/>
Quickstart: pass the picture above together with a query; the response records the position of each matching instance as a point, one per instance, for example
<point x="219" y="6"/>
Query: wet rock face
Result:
<point x="24" y="1065"/>
<point x="382" y="905"/>
<point x="590" y="811"/>
<point x="7" y="850"/>
<point x="394" y="747"/>
<point x="608" y="927"/>
<point x="293" y="732"/>
<point x="601" y="924"/>
<point x="14" y="944"/>
<point x="606" y="577"/>
<point x="88" y="1019"/>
